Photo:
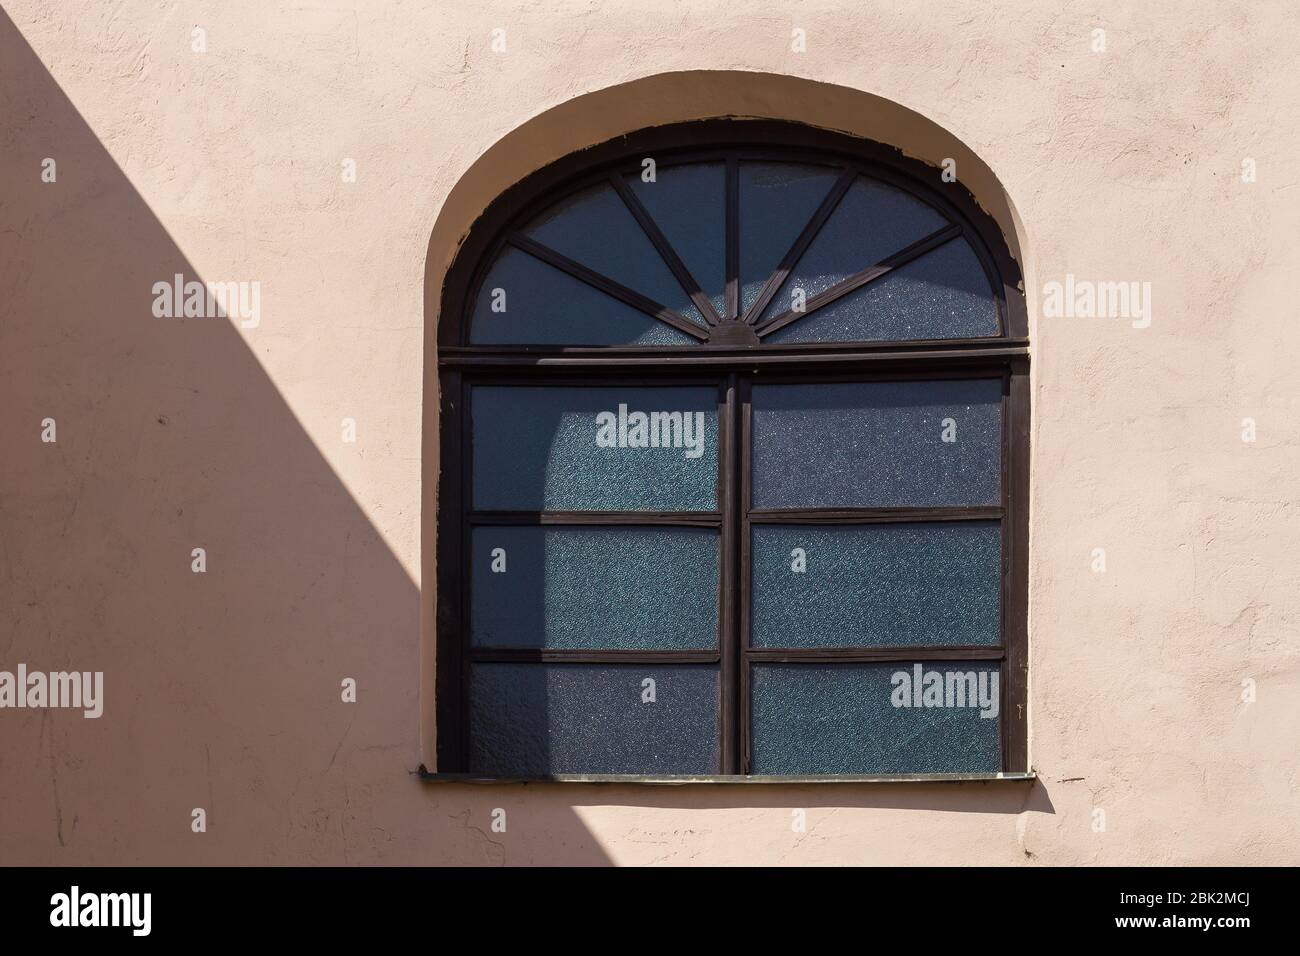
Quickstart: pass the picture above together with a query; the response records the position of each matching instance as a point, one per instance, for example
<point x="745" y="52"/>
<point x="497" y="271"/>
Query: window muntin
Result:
<point x="944" y="295"/>
<point x="872" y="221"/>
<point x="779" y="200"/>
<point x="687" y="203"/>
<point x="551" y="307"/>
<point x="596" y="229"/>
<point x="941" y="527"/>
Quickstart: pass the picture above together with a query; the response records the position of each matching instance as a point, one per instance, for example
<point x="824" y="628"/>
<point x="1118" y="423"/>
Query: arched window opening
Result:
<point x="734" y="451"/>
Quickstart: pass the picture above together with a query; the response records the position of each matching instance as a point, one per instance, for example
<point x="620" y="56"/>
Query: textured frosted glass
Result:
<point x="595" y="228"/>
<point x="536" y="719"/>
<point x="689" y="205"/>
<point x="776" y="202"/>
<point x="881" y="585"/>
<point x="872" y="222"/>
<point x="606" y="587"/>
<point x="944" y="294"/>
<point x="537" y="449"/>
<point x="841" y="718"/>
<point x="545" y="306"/>
<point x="877" y="444"/>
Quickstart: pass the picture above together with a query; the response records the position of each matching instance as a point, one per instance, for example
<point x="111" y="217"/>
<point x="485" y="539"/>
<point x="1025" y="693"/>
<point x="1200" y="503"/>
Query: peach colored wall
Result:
<point x="222" y="689"/>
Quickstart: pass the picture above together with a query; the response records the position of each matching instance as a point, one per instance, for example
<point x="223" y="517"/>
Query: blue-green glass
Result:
<point x="877" y="444"/>
<point x="594" y="448"/>
<point x="688" y="204"/>
<point x="595" y="228"/>
<point x="544" y="306"/>
<point x="538" y="719"/>
<point x="925" y="584"/>
<point x="625" y="588"/>
<point x="875" y="718"/>
<point x="945" y="294"/>
<point x="776" y="202"/>
<point x="873" y="221"/>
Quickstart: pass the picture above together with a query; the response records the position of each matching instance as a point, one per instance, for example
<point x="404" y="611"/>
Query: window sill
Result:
<point x="679" y="780"/>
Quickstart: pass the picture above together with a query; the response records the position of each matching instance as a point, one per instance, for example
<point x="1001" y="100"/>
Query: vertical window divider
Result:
<point x="1015" y="585"/>
<point x="1004" y="476"/>
<point x="744" y="595"/>
<point x="466" y="506"/>
<point x="450" y="692"/>
<point x="733" y="238"/>
<point x="728" y="597"/>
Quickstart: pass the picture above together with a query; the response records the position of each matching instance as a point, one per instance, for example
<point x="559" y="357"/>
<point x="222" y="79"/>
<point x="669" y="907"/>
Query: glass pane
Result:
<point x="776" y="202"/>
<point x="872" y="222"/>
<point x="942" y="295"/>
<point x="536" y="719"/>
<point x="882" y="585"/>
<point x="877" y="444"/>
<point x="605" y="587"/>
<point x="594" y="449"/>
<point x="538" y="304"/>
<point x="689" y="205"/>
<point x="940" y="717"/>
<point x="595" y="228"/>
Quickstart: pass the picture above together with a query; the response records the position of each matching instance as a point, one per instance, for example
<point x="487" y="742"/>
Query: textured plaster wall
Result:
<point x="222" y="689"/>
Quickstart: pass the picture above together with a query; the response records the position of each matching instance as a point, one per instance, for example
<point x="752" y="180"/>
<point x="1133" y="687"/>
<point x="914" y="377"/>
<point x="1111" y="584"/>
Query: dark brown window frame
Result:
<point x="731" y="355"/>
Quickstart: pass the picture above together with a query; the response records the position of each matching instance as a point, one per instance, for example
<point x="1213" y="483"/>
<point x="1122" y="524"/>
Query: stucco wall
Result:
<point x="222" y="688"/>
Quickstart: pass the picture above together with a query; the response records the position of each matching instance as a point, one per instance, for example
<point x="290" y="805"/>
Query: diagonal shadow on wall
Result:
<point x="222" y="689"/>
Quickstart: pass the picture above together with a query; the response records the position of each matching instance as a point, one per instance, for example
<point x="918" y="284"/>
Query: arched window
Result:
<point x="734" y="468"/>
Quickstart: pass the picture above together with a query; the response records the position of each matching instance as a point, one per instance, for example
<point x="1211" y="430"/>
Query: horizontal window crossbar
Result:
<point x="873" y="515"/>
<point x="985" y="351"/>
<point x="690" y="519"/>
<point x="534" y="655"/>
<point x="770" y="655"/>
<point x="713" y="351"/>
<point x="848" y="655"/>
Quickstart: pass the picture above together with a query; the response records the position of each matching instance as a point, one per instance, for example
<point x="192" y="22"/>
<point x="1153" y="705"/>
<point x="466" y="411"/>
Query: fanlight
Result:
<point x="815" y="253"/>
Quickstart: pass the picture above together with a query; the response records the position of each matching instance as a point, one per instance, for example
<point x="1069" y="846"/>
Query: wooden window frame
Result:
<point x="732" y="356"/>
